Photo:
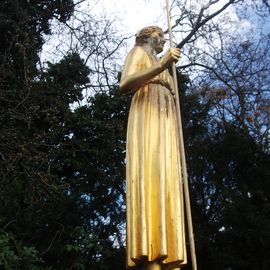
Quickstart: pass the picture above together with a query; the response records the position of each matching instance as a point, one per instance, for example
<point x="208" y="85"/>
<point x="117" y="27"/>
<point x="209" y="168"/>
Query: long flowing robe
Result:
<point x="155" y="213"/>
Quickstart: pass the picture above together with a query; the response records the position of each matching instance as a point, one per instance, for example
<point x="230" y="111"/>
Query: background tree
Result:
<point x="61" y="194"/>
<point x="227" y="138"/>
<point x="228" y="172"/>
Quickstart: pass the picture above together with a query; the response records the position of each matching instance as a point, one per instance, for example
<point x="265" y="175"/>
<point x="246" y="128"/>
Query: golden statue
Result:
<point x="155" y="210"/>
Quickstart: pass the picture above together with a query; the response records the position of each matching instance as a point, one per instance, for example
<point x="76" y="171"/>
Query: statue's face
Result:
<point x="157" y="41"/>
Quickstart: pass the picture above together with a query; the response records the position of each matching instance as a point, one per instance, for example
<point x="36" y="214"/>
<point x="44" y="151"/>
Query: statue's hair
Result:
<point x="145" y="33"/>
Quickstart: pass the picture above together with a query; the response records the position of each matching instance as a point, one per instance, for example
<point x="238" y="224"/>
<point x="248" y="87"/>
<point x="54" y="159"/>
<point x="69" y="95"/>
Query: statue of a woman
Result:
<point x="155" y="214"/>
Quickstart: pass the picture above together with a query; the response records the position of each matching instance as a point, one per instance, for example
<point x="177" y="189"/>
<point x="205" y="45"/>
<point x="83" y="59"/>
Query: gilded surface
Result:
<point x="155" y="214"/>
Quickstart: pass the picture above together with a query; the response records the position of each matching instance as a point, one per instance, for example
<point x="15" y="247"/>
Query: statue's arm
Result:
<point x="132" y="82"/>
<point x="133" y="77"/>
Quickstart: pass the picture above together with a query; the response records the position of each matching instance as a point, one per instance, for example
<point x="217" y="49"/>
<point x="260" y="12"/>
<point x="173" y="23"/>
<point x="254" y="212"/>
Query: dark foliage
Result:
<point x="61" y="190"/>
<point x="229" y="182"/>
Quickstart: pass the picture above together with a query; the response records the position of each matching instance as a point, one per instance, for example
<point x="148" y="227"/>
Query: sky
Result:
<point x="134" y="15"/>
<point x="131" y="15"/>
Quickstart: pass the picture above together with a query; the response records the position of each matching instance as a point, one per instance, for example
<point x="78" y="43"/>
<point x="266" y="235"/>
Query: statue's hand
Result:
<point x="172" y="55"/>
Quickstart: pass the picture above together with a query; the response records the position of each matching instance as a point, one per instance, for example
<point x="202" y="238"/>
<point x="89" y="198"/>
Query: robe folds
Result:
<point x="154" y="195"/>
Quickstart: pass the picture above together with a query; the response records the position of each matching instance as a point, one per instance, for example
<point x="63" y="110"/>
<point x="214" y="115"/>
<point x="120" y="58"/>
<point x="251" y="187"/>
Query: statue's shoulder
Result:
<point x="137" y="52"/>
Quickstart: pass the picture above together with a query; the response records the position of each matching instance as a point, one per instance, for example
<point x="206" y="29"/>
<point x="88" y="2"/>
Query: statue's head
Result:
<point x="152" y="35"/>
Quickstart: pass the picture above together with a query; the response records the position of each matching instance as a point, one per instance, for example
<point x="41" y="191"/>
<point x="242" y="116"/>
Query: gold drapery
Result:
<point x="155" y="211"/>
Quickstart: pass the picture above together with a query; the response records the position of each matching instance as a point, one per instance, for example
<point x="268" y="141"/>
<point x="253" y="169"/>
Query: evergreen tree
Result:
<point x="61" y="183"/>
